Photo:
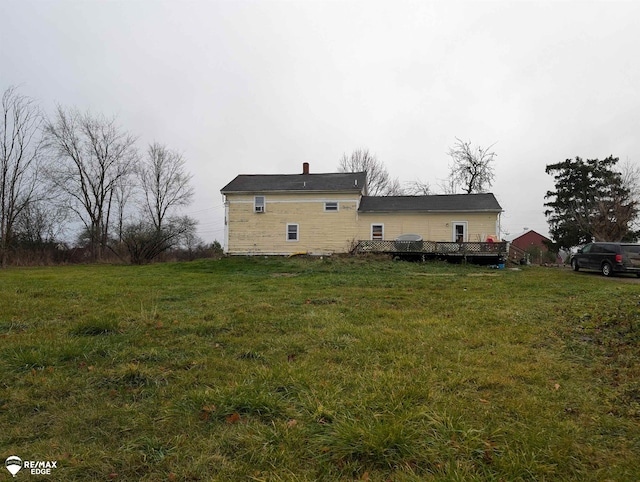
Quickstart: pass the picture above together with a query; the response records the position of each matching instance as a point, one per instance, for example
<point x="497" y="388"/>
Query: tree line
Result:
<point x="77" y="167"/>
<point x="82" y="168"/>
<point x="593" y="200"/>
<point x="470" y="171"/>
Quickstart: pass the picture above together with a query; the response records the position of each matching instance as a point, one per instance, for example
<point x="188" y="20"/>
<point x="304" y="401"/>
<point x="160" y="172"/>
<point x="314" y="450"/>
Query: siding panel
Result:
<point x="432" y="227"/>
<point x="322" y="232"/>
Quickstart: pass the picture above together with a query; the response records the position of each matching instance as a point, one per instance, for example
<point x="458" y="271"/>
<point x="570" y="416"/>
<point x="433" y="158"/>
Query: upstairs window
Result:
<point x="331" y="206"/>
<point x="258" y="204"/>
<point x="292" y="232"/>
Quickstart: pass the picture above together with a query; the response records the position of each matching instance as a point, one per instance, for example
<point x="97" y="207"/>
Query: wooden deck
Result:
<point x="471" y="251"/>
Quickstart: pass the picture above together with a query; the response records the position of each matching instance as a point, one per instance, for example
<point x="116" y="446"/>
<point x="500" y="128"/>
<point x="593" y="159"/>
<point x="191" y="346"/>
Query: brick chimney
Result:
<point x="305" y="168"/>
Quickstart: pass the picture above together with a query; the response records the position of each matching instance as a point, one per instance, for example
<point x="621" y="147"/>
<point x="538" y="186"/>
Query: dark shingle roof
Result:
<point x="352" y="181"/>
<point x="437" y="203"/>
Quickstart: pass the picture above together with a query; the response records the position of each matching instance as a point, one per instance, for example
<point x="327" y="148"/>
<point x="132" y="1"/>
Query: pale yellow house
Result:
<point x="329" y="213"/>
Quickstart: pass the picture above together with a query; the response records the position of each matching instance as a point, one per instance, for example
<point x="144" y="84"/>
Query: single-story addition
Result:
<point x="331" y="213"/>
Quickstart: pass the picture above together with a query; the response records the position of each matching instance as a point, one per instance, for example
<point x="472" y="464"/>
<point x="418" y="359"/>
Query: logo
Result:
<point x="35" y="467"/>
<point x="13" y="464"/>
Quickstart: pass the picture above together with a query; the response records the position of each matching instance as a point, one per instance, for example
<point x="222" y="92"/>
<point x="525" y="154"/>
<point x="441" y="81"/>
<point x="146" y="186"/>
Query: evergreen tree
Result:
<point x="590" y="201"/>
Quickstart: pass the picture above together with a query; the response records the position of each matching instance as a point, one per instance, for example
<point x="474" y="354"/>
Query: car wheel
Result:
<point x="574" y="265"/>
<point x="607" y="270"/>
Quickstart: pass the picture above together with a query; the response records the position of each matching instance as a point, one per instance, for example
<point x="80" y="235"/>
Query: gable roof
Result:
<point x="530" y="233"/>
<point x="349" y="181"/>
<point x="485" y="202"/>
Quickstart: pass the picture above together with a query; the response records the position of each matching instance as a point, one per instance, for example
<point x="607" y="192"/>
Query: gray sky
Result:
<point x="259" y="87"/>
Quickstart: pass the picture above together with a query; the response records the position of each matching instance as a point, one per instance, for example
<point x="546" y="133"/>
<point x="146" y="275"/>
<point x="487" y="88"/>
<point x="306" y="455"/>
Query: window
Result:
<point x="460" y="231"/>
<point x="377" y="231"/>
<point x="631" y="249"/>
<point x="331" y="206"/>
<point x="258" y="204"/>
<point x="292" y="232"/>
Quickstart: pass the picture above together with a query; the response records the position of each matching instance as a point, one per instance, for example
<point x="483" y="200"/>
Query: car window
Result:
<point x="631" y="248"/>
<point x="587" y="248"/>
<point x="609" y="248"/>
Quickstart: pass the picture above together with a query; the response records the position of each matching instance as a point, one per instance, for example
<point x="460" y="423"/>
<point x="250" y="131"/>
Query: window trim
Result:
<point x="465" y="231"/>
<point x="257" y="205"/>
<point x="297" y="233"/>
<point x="381" y="238"/>
<point x="327" y="210"/>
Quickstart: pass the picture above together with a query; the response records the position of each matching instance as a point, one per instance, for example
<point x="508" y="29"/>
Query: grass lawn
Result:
<point x="309" y="369"/>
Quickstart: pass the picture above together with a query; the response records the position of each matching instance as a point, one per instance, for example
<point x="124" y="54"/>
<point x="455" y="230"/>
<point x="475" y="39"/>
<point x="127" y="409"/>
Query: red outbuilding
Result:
<point x="532" y="246"/>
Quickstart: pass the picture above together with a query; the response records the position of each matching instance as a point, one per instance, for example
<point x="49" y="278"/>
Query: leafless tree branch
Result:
<point x="379" y="183"/>
<point x="418" y="188"/>
<point x="165" y="183"/>
<point x="92" y="156"/>
<point x="471" y="167"/>
<point x="20" y="154"/>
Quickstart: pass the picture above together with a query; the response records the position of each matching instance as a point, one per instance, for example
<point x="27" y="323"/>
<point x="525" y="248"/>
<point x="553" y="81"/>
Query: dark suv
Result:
<point x="609" y="258"/>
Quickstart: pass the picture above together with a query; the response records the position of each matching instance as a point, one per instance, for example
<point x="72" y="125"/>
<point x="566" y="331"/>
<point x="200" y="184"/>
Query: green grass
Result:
<point x="310" y="369"/>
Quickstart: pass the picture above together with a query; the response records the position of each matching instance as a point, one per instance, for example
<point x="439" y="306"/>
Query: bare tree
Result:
<point x="124" y="191"/>
<point x="165" y="186"/>
<point x="165" y="183"/>
<point x="40" y="222"/>
<point x="448" y="186"/>
<point x="20" y="153"/>
<point x="144" y="242"/>
<point x="418" y="188"/>
<point x="471" y="167"/>
<point x="379" y="183"/>
<point x="615" y="216"/>
<point x="394" y="188"/>
<point x="93" y="155"/>
<point x="631" y="181"/>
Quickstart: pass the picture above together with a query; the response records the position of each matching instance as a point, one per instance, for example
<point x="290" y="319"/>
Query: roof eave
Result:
<point x="293" y="191"/>
<point x="432" y="211"/>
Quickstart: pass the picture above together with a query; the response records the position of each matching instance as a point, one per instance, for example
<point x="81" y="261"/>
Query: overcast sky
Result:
<point x="259" y="87"/>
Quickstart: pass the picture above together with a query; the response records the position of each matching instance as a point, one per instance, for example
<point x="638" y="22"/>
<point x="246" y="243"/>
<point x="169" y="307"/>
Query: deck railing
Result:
<point x="433" y="248"/>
